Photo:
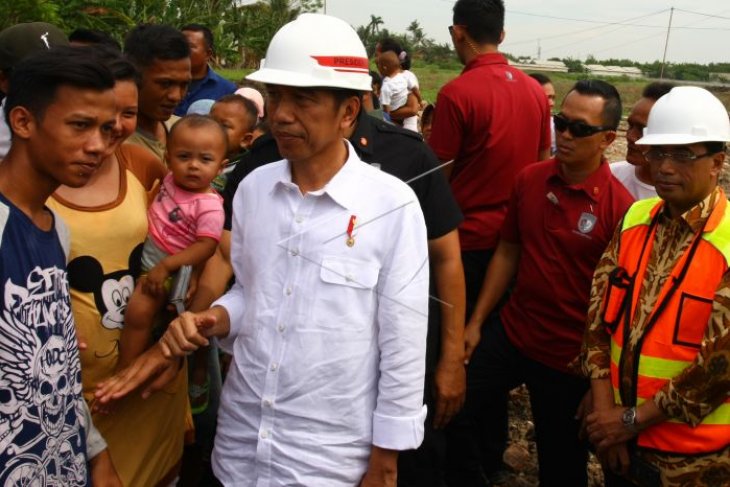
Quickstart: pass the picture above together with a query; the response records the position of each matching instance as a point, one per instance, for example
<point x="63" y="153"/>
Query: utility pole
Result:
<point x="666" y="43"/>
<point x="325" y="7"/>
<point x="539" y="50"/>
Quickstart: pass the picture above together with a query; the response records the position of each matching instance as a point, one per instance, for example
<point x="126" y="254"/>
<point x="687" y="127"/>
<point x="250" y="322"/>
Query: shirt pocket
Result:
<point x="345" y="295"/>
<point x="692" y="319"/>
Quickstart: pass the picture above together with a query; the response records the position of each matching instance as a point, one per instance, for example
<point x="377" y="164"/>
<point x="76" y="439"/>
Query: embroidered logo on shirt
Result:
<point x="586" y="222"/>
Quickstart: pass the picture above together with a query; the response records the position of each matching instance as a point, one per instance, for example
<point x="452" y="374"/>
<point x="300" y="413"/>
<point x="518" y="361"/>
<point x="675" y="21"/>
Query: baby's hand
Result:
<point x="154" y="284"/>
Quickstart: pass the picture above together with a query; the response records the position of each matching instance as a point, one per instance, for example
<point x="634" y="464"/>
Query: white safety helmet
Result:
<point x="686" y="115"/>
<point x="316" y="51"/>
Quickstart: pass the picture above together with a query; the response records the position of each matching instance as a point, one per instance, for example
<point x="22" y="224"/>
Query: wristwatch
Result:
<point x="628" y="418"/>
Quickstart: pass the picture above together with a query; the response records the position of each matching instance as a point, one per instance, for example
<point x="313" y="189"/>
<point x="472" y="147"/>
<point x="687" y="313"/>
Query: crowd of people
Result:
<point x="291" y="281"/>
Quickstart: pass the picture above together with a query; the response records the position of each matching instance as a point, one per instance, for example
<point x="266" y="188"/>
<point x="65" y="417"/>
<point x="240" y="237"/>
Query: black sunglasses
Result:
<point x="578" y="128"/>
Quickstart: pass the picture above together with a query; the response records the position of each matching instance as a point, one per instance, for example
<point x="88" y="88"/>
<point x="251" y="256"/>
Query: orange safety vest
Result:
<point x="675" y="327"/>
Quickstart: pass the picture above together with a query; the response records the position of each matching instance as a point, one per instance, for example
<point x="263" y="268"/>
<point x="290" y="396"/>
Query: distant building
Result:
<point x="541" y="65"/>
<point x="600" y="70"/>
<point x="721" y="77"/>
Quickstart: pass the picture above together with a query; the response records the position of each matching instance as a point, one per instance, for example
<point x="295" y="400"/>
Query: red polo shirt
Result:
<point x="493" y="120"/>
<point x="563" y="230"/>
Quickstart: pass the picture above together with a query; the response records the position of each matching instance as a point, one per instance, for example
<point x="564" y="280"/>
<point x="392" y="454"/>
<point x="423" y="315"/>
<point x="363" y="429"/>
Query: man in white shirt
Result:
<point x="327" y="319"/>
<point x="634" y="172"/>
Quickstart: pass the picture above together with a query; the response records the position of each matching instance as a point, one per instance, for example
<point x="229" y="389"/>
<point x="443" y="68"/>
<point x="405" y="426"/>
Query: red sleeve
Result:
<point x="510" y="231"/>
<point x="546" y="135"/>
<point x="448" y="127"/>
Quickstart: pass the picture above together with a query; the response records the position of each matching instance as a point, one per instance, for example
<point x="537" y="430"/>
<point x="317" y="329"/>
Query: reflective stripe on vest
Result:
<point x="673" y="341"/>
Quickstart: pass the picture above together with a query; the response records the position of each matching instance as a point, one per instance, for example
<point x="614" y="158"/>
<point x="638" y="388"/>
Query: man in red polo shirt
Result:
<point x="562" y="213"/>
<point x="492" y="121"/>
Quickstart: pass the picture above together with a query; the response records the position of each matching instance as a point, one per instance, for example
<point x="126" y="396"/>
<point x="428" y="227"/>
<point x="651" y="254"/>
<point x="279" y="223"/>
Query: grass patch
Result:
<point x="432" y="77"/>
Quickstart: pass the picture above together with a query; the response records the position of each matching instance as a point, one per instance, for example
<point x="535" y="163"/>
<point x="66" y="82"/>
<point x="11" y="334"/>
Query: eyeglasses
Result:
<point x="683" y="156"/>
<point x="578" y="128"/>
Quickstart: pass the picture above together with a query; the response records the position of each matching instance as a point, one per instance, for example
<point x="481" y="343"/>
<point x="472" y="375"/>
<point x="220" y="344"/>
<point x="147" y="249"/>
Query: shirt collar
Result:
<point x="342" y="188"/>
<point x="484" y="60"/>
<point x="696" y="216"/>
<point x="593" y="186"/>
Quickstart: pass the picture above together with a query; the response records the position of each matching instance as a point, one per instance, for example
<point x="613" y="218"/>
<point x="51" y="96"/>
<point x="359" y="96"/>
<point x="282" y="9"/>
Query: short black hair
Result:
<point x="121" y="68"/>
<point x="483" y="19"/>
<point x="375" y="78"/>
<point x="149" y="42"/>
<point x="714" y="147"/>
<point x="35" y="80"/>
<point x="612" y="101"/>
<point x="252" y="112"/>
<point x="541" y="78"/>
<point x="657" y="89"/>
<point x="207" y="34"/>
<point x="195" y="120"/>
<point x="91" y="36"/>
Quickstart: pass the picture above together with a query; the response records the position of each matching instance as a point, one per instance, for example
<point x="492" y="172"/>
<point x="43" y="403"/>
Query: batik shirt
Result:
<point x="693" y="394"/>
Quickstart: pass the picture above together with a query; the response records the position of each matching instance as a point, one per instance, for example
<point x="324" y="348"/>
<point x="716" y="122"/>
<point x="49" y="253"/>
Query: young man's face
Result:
<point x="573" y="150"/>
<point x="306" y="122"/>
<point x="164" y="84"/>
<point x="68" y="143"/>
<point x="549" y="91"/>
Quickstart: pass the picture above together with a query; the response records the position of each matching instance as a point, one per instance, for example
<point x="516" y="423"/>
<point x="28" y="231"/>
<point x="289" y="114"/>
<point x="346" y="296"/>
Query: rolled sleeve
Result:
<point x="398" y="419"/>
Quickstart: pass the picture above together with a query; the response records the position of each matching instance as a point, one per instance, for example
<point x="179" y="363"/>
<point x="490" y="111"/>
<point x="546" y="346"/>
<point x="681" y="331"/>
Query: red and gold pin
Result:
<point x="351" y="228"/>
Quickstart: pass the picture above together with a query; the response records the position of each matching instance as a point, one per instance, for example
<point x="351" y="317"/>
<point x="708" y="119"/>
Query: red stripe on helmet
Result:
<point x="343" y="62"/>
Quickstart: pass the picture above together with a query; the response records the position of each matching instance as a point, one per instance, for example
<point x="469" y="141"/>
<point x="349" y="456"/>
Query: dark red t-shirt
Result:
<point x="493" y="120"/>
<point x="562" y="230"/>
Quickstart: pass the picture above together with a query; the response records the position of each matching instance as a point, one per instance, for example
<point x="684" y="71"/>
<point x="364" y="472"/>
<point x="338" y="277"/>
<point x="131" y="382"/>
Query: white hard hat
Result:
<point x="316" y="50"/>
<point x="686" y="115"/>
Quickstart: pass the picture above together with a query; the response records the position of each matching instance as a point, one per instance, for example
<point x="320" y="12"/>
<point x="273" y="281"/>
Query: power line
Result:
<point x="713" y="16"/>
<point x="567" y="34"/>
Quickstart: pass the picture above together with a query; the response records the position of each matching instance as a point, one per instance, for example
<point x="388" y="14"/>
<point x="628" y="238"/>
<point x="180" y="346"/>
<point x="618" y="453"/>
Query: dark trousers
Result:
<point x="424" y="467"/>
<point x="554" y="398"/>
<point x="463" y="465"/>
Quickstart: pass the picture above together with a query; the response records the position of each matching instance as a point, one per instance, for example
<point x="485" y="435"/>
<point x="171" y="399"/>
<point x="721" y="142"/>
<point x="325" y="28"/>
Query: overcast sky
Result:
<point x="694" y="38"/>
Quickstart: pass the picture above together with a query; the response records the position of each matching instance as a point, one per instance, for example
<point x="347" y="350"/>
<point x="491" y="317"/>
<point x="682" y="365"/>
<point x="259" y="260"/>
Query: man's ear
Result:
<point x="246" y="141"/>
<point x="608" y="138"/>
<point x="501" y="37"/>
<point x="350" y="111"/>
<point x="718" y="161"/>
<point x="22" y="122"/>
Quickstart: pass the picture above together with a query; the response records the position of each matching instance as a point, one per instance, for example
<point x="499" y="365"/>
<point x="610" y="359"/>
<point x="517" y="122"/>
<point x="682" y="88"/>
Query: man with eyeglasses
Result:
<point x="491" y="121"/>
<point x="561" y="215"/>
<point x="657" y="345"/>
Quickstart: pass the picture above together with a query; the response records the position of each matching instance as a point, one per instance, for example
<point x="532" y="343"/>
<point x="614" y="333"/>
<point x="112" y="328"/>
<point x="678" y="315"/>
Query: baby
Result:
<point x="394" y="90"/>
<point x="185" y="223"/>
<point x="238" y="116"/>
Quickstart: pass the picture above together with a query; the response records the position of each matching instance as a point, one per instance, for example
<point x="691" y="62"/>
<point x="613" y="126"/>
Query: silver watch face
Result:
<point x="629" y="417"/>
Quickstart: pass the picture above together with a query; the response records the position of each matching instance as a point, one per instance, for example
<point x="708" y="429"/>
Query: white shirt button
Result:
<point x="299" y="219"/>
<point x="267" y="403"/>
<point x="294" y="252"/>
<point x="274" y="367"/>
<point x="282" y="327"/>
<point x="264" y="434"/>
<point x="288" y="291"/>
<point x="349" y="278"/>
